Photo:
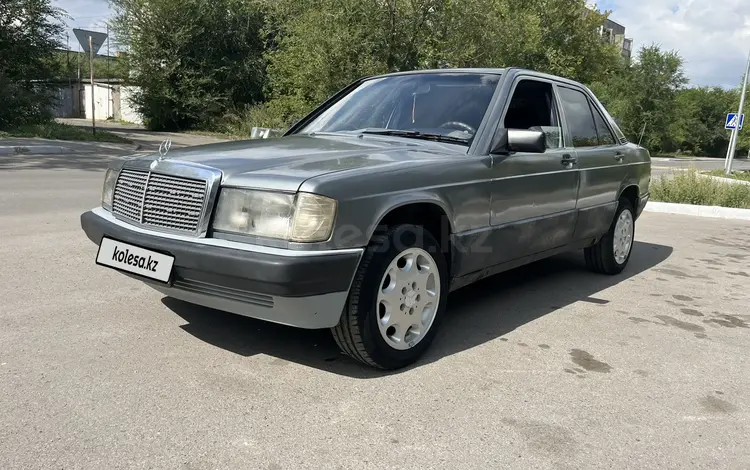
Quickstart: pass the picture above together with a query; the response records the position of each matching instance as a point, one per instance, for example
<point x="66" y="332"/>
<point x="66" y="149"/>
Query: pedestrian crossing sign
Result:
<point x="732" y="121"/>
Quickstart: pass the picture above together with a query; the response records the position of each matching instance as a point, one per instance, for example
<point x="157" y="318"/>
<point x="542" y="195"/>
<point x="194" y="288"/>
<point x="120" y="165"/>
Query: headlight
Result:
<point x="109" y="188"/>
<point x="299" y="218"/>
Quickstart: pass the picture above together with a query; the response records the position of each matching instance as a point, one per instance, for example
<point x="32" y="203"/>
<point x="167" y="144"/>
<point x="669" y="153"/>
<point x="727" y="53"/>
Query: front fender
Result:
<point x="397" y="201"/>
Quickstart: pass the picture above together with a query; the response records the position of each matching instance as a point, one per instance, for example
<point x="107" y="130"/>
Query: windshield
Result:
<point x="451" y="105"/>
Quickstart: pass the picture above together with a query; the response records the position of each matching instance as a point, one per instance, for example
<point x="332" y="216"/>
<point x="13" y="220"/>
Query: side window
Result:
<point x="579" y="117"/>
<point x="605" y="135"/>
<point x="533" y="107"/>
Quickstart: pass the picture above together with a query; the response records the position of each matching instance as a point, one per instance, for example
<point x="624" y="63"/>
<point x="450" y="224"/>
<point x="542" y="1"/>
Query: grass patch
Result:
<point x="58" y="131"/>
<point x="125" y="122"/>
<point x="226" y="134"/>
<point x="737" y="175"/>
<point x="688" y="187"/>
<point x="217" y="134"/>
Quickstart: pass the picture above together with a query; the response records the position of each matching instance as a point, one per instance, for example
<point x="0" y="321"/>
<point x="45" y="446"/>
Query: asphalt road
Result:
<point x="548" y="366"/>
<point x="662" y="166"/>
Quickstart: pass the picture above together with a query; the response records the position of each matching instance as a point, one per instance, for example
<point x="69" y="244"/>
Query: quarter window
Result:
<point x="579" y="117"/>
<point x="605" y="135"/>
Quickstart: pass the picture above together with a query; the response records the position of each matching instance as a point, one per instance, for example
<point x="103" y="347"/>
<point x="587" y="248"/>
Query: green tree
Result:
<point x="318" y="46"/>
<point x="644" y="98"/>
<point x="193" y="60"/>
<point x="554" y="36"/>
<point x="703" y="111"/>
<point x="66" y="66"/>
<point x="29" y="32"/>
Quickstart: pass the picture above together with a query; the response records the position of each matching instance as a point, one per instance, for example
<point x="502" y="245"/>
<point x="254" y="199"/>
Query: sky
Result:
<point x="712" y="36"/>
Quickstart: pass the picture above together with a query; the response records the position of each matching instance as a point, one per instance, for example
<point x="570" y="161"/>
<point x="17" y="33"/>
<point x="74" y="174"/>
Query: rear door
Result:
<point x="600" y="161"/>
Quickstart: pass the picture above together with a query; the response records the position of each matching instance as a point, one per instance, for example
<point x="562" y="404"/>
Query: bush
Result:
<point x="192" y="60"/>
<point x="689" y="187"/>
<point x="29" y="38"/>
<point x="23" y="103"/>
<point x="279" y="113"/>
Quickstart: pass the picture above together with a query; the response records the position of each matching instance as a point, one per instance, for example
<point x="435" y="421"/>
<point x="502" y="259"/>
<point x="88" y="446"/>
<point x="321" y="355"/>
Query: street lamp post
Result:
<point x="736" y="130"/>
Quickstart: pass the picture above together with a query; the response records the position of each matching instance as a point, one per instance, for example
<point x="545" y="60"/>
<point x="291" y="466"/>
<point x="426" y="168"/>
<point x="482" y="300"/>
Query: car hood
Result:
<point x="285" y="163"/>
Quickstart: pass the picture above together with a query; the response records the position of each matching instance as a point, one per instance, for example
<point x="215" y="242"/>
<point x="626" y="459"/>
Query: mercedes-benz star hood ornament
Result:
<point x="164" y="148"/>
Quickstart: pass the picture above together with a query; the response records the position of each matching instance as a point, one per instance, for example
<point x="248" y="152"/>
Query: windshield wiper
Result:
<point x="416" y="135"/>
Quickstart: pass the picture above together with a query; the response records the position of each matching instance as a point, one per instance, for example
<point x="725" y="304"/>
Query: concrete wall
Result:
<point x="111" y="101"/>
<point x="127" y="110"/>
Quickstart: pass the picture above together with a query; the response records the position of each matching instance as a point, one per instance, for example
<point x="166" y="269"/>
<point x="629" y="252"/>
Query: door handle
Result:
<point x="619" y="156"/>
<point x="568" y="159"/>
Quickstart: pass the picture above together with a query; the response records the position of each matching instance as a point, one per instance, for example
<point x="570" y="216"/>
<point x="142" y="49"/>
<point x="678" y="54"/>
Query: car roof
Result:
<point x="492" y="71"/>
<point x="478" y="70"/>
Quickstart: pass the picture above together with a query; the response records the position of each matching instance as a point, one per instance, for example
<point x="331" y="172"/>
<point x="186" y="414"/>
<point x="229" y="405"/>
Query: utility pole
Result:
<point x="81" y="106"/>
<point x="67" y="56"/>
<point x="109" y="77"/>
<point x="735" y="132"/>
<point x="93" y="106"/>
<point x="67" y="74"/>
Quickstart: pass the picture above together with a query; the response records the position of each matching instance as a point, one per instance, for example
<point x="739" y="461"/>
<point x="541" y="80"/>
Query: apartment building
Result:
<point x="614" y="33"/>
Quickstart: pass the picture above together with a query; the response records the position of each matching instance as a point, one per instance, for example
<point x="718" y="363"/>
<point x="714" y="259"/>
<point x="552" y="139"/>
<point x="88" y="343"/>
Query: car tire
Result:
<point x="604" y="257"/>
<point x="385" y="302"/>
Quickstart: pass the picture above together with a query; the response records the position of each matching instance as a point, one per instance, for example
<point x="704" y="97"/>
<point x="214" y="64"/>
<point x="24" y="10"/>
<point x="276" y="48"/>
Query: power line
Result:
<point x="95" y="16"/>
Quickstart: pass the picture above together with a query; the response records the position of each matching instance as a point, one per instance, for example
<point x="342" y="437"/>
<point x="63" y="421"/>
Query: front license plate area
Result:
<point x="134" y="259"/>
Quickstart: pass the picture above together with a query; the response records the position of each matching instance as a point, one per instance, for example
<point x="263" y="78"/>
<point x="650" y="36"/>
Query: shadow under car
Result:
<point x="476" y="314"/>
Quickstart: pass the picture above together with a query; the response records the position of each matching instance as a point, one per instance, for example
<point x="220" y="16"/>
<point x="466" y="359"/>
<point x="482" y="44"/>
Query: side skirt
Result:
<point x="465" y="280"/>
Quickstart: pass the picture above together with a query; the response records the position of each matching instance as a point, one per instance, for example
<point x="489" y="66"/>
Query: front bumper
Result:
<point x="301" y="289"/>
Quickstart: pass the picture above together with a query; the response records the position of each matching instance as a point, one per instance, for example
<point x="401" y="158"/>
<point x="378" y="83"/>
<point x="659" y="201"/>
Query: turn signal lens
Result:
<point x="108" y="189"/>
<point x="313" y="218"/>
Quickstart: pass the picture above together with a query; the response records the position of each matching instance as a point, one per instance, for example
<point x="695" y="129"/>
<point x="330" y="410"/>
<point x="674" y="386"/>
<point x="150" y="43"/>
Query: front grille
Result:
<point x="158" y="200"/>
<point x="128" y="195"/>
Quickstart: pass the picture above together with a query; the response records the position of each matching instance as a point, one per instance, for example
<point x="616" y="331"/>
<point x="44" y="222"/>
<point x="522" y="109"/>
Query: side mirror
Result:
<point x="517" y="140"/>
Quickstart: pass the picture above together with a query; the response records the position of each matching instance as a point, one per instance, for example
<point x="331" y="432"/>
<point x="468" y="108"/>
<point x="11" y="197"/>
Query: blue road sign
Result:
<point x="732" y="121"/>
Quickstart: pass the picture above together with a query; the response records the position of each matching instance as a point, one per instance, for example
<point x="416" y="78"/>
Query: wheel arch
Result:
<point x="429" y="212"/>
<point x="631" y="192"/>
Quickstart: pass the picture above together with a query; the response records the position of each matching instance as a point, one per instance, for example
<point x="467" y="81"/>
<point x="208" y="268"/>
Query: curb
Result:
<point x="79" y="148"/>
<point x="698" y="211"/>
<point x="692" y="159"/>
<point x="35" y="149"/>
<point x="724" y="180"/>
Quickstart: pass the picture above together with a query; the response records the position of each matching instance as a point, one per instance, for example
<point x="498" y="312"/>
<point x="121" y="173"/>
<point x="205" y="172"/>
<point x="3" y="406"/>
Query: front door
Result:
<point x="533" y="205"/>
